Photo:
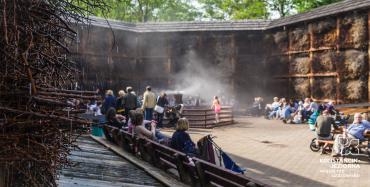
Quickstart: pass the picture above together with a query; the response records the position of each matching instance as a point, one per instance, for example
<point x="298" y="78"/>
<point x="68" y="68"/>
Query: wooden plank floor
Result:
<point x="95" y="165"/>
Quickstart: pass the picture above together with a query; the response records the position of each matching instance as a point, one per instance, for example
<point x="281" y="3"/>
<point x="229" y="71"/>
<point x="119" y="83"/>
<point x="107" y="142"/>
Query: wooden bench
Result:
<point x="167" y="159"/>
<point x="212" y="175"/>
<point x="199" y="173"/>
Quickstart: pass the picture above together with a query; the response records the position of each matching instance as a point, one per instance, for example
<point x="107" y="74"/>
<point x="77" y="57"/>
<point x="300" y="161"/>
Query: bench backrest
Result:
<point x="211" y="175"/>
<point x="201" y="173"/>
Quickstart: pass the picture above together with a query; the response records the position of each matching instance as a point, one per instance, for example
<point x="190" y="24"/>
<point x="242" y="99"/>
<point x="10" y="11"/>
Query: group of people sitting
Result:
<point x="354" y="134"/>
<point x="296" y="111"/>
<point x="138" y="126"/>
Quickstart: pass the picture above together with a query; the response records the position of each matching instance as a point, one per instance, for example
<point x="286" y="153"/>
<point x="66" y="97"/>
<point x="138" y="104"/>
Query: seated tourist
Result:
<point x="365" y="117"/>
<point x="313" y="106"/>
<point x="272" y="109"/>
<point x="323" y="126"/>
<point x="356" y="131"/>
<point x="285" y="111"/>
<point x="296" y="116"/>
<point x="306" y="112"/>
<point x="181" y="140"/>
<point x="140" y="129"/>
<point x="113" y="119"/>
<point x="256" y="109"/>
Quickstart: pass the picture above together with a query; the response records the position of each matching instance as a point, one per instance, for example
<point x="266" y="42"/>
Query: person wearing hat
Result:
<point x="323" y="126"/>
<point x="149" y="103"/>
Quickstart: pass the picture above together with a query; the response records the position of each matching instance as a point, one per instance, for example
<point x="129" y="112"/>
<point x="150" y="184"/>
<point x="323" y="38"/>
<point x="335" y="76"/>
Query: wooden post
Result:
<point x="289" y="61"/>
<point x="338" y="96"/>
<point x="312" y="39"/>
<point x="169" y="62"/>
<point x="2" y="176"/>
<point x="368" y="47"/>
<point x="233" y="63"/>
<point x="202" y="178"/>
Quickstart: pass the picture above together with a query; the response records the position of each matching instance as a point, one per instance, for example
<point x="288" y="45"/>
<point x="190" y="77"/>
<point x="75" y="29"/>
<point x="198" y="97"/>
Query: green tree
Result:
<point x="148" y="10"/>
<point x="306" y="5"/>
<point x="234" y="9"/>
<point x="283" y="7"/>
<point x="287" y="7"/>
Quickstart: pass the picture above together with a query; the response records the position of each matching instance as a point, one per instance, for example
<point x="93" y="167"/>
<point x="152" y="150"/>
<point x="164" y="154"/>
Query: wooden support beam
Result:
<point x="233" y="62"/>
<point x="2" y="175"/>
<point x="368" y="48"/>
<point x="312" y="39"/>
<point x="289" y="59"/>
<point x="338" y="96"/>
<point x="309" y="75"/>
<point x="169" y="59"/>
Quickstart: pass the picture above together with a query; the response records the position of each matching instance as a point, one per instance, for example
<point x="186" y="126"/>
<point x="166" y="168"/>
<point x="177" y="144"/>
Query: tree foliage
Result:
<point x="288" y="7"/>
<point x="149" y="10"/>
<point x="305" y="5"/>
<point x="234" y="9"/>
<point x="189" y="10"/>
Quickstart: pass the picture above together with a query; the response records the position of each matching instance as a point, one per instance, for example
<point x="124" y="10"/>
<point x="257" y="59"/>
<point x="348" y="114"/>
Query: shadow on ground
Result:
<point x="274" y="176"/>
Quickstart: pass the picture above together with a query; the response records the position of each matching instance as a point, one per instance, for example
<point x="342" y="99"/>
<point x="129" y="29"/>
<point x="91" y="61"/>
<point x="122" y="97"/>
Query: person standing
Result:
<point x="109" y="101"/>
<point x="216" y="105"/>
<point x="162" y="102"/>
<point x="129" y="101"/>
<point x="119" y="104"/>
<point x="149" y="103"/>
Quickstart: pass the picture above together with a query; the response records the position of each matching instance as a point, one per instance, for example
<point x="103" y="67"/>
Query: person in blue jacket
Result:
<point x="181" y="140"/>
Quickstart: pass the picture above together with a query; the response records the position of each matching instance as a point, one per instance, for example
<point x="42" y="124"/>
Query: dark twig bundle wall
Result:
<point x="325" y="33"/>
<point x="332" y="44"/>
<point x="301" y="87"/>
<point x="300" y="64"/>
<point x="299" y="39"/>
<point x="324" y="87"/>
<point x="352" y="64"/>
<point x="37" y="127"/>
<point x="354" y="31"/>
<point x="324" y="62"/>
<point x="333" y="54"/>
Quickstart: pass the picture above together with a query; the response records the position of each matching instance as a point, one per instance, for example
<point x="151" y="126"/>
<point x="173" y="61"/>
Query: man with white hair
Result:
<point x="356" y="131"/>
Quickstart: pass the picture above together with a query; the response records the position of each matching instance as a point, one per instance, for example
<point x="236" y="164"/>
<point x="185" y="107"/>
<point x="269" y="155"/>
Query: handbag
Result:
<point x="158" y="109"/>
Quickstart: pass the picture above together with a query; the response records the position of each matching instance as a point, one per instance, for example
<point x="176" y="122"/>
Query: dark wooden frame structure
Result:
<point x="248" y="46"/>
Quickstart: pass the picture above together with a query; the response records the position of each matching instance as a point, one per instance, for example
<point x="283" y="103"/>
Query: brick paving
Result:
<point x="278" y="154"/>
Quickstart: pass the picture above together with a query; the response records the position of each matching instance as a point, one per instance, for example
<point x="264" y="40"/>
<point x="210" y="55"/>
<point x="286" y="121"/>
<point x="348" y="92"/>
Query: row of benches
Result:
<point x="198" y="173"/>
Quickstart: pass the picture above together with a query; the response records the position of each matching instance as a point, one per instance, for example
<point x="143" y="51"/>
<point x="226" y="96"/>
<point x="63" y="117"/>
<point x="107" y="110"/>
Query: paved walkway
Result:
<point x="279" y="154"/>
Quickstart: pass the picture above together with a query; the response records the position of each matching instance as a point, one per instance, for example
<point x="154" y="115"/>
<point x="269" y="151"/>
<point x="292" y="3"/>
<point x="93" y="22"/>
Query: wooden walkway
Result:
<point x="95" y="165"/>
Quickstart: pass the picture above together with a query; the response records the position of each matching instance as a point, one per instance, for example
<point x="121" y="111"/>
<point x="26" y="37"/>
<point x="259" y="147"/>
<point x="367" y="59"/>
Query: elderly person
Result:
<point x="356" y="131"/>
<point x="119" y="104"/>
<point x="181" y="140"/>
<point x="109" y="101"/>
<point x="272" y="108"/>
